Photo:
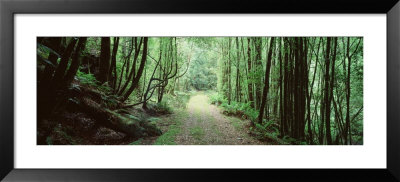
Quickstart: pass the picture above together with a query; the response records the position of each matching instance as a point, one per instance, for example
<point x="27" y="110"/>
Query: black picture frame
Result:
<point x="9" y="8"/>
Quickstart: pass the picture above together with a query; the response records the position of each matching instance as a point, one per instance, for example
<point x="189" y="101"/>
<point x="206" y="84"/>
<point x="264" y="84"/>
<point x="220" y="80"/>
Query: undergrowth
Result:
<point x="178" y="100"/>
<point x="266" y="131"/>
<point x="90" y="80"/>
<point x="239" y="109"/>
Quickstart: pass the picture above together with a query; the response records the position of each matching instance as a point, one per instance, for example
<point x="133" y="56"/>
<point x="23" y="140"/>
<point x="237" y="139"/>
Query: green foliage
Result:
<point x="62" y="136"/>
<point x="267" y="131"/>
<point x="153" y="120"/>
<point x="87" y="79"/>
<point x="43" y="53"/>
<point x="233" y="66"/>
<point x="217" y="99"/>
<point x="290" y="140"/>
<point x="180" y="100"/>
<point x="201" y="75"/>
<point x="163" y="107"/>
<point x="254" y="77"/>
<point x="265" y="125"/>
<point x="111" y="101"/>
<point x="242" y="110"/>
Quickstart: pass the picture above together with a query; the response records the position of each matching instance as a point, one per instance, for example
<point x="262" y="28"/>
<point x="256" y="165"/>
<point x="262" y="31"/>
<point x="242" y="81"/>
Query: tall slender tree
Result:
<point x="266" y="84"/>
<point x="104" y="59"/>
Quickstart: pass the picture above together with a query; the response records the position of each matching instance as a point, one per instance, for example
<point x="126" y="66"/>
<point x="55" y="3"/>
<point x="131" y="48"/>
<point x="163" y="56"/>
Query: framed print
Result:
<point x="117" y="90"/>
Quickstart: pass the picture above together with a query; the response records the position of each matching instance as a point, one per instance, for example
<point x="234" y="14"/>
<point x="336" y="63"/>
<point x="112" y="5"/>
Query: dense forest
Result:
<point x="200" y="90"/>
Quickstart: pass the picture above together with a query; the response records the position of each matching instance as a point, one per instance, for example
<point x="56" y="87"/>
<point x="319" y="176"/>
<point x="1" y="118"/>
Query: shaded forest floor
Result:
<point x="201" y="123"/>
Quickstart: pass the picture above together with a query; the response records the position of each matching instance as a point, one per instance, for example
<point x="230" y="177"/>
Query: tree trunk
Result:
<point x="237" y="70"/>
<point x="55" y="44"/>
<point x="249" y="79"/>
<point x="75" y="61"/>
<point x="61" y="68"/>
<point x="133" y="69"/>
<point x="266" y="84"/>
<point x="136" y="78"/>
<point x="113" y="68"/>
<point x="229" y="71"/>
<point x="258" y="69"/>
<point x="331" y="84"/>
<point x="104" y="59"/>
<point x="281" y="111"/>
<point x="326" y="94"/>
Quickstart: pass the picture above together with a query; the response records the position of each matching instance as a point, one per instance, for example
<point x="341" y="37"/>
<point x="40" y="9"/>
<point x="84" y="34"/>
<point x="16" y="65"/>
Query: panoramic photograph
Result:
<point x="199" y="91"/>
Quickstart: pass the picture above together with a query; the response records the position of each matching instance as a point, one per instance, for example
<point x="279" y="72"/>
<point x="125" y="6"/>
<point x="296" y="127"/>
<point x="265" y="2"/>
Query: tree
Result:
<point x="249" y="79"/>
<point x="75" y="61"/>
<point x="136" y="78"/>
<point x="132" y="71"/>
<point x="112" y="72"/>
<point x="55" y="45"/>
<point x="257" y="41"/>
<point x="62" y="67"/>
<point x="104" y="59"/>
<point x="266" y="84"/>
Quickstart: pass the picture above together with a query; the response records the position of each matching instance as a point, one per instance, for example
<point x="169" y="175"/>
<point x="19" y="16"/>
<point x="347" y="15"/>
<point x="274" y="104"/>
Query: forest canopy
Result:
<point x="200" y="90"/>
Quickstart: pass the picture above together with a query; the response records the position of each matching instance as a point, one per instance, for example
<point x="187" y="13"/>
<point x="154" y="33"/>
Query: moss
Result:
<point x="168" y="138"/>
<point x="132" y="125"/>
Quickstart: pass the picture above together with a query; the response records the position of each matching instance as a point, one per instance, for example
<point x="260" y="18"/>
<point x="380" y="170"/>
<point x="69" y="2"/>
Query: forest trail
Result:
<point x="202" y="123"/>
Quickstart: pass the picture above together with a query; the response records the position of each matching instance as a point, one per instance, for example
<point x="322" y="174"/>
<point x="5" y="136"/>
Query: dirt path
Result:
<point x="203" y="124"/>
